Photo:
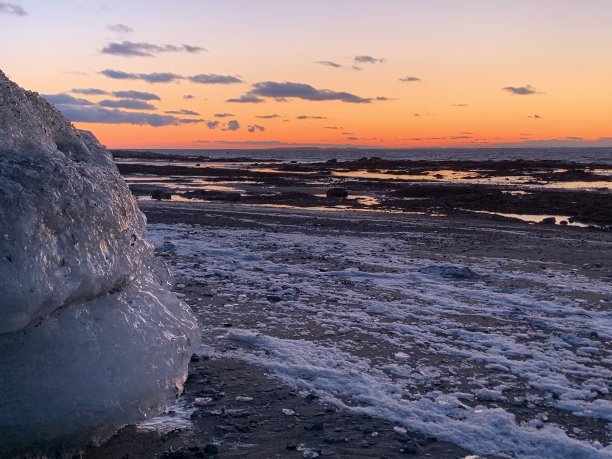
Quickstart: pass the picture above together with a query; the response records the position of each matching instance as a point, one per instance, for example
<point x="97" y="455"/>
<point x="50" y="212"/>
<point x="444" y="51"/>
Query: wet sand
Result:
<point x="534" y="191"/>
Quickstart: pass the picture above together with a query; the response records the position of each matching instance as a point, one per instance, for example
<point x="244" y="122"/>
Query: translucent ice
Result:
<point x="69" y="228"/>
<point x="90" y="336"/>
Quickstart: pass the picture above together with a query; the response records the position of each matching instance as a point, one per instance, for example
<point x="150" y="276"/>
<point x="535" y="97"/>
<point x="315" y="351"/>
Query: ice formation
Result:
<point x="90" y="336"/>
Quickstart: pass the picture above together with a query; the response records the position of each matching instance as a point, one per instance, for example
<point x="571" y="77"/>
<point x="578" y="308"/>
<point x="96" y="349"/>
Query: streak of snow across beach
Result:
<point x="492" y="353"/>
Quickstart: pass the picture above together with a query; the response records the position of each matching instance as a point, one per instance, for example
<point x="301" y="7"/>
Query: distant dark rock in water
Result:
<point x="452" y="272"/>
<point x="229" y="196"/>
<point x="160" y="194"/>
<point x="90" y="336"/>
<point x="549" y="221"/>
<point x="340" y="193"/>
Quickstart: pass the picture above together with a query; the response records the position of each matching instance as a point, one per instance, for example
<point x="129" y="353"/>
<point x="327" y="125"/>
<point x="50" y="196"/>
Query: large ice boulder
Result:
<point x="90" y="336"/>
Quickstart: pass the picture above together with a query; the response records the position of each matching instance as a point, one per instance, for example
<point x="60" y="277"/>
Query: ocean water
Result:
<point x="580" y="155"/>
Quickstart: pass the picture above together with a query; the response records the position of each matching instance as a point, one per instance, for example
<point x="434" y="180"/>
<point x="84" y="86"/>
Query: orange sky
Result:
<point x="552" y="58"/>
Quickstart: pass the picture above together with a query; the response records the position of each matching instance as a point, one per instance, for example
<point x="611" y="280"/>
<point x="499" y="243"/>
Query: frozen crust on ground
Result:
<point x="69" y="228"/>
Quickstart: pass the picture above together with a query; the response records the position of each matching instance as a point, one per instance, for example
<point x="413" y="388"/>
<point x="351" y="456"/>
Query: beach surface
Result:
<point x="347" y="333"/>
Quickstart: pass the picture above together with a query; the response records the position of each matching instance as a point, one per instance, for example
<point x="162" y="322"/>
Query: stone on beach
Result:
<point x="90" y="336"/>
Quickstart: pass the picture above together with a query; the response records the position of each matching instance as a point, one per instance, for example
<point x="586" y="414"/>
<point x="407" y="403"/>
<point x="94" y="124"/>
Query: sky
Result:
<point x="203" y="74"/>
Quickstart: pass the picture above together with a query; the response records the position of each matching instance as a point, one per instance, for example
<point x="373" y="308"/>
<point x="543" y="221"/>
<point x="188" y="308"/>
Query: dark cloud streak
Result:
<point x="288" y="90"/>
<point x="142" y="49"/>
<point x="11" y="8"/>
<point x="212" y="78"/>
<point x="130" y="104"/>
<point x="527" y="90"/>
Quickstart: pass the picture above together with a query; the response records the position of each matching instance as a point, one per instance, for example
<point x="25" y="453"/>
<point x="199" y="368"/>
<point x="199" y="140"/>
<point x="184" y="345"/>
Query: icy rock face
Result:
<point x="90" y="336"/>
<point x="69" y="228"/>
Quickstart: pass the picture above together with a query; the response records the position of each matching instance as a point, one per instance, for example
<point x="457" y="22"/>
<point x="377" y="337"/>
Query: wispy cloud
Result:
<point x="130" y="104"/>
<point x="115" y="116"/>
<point x="460" y="105"/>
<point x="120" y="28"/>
<point x="143" y="49"/>
<point x="136" y="95"/>
<point x="268" y="117"/>
<point x="288" y="90"/>
<point x="90" y="91"/>
<point x="364" y="59"/>
<point x="164" y="77"/>
<point x="255" y="128"/>
<point x="130" y="94"/>
<point x="188" y="96"/>
<point x="11" y="8"/>
<point x="212" y="78"/>
<point x="329" y="64"/>
<point x="223" y="115"/>
<point x="535" y="117"/>
<point x="61" y="99"/>
<point x="85" y="111"/>
<point x="232" y="125"/>
<point x="182" y="112"/>
<point x="410" y="79"/>
<point x="246" y="99"/>
<point x="306" y="117"/>
<point x="526" y="90"/>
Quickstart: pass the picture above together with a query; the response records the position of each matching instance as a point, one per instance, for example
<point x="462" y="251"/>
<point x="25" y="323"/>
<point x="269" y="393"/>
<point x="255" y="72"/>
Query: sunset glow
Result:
<point x="391" y="73"/>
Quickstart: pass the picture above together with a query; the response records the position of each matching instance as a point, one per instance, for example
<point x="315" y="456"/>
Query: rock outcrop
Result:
<point x="90" y="336"/>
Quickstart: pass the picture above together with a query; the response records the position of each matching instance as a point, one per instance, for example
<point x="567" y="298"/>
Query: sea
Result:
<point x="579" y="155"/>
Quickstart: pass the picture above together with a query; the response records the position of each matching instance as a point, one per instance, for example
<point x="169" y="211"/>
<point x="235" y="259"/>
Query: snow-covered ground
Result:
<point x="499" y="355"/>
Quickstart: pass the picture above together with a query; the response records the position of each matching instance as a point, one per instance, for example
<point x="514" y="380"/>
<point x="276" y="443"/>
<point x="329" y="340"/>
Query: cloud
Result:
<point x="130" y="104"/>
<point x="84" y="111"/>
<point x="527" y="90"/>
<point x="268" y="117"/>
<point x="410" y="79"/>
<point x="256" y="127"/>
<point x="357" y="68"/>
<point x="96" y="114"/>
<point x="232" y="125"/>
<point x="288" y="90"/>
<point x="306" y="117"/>
<point x="142" y="49"/>
<point x="329" y="64"/>
<point x="65" y="99"/>
<point x="460" y="105"/>
<point x="335" y="128"/>
<point x="164" y="77"/>
<point x="120" y="28"/>
<point x="90" y="92"/>
<point x="182" y="112"/>
<point x="136" y="95"/>
<point x="215" y="79"/>
<point x="223" y="115"/>
<point x="368" y="60"/>
<point x="535" y="117"/>
<point x="188" y="96"/>
<point x="10" y="8"/>
<point x="384" y="99"/>
<point x="246" y="99"/>
<point x="213" y="124"/>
